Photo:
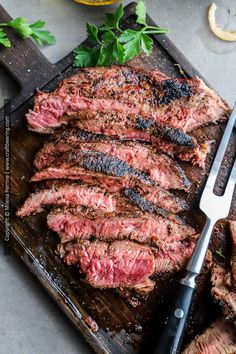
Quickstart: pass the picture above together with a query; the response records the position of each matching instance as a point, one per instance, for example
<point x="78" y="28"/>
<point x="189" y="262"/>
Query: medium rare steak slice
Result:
<point x="146" y="197"/>
<point x="224" y="282"/>
<point x="173" y="256"/>
<point x="91" y="257"/>
<point x="119" y="125"/>
<point x="68" y="194"/>
<point x="116" y="159"/>
<point x="118" y="264"/>
<point x="219" y="338"/>
<point x="179" y="103"/>
<point x="75" y="223"/>
<point x="232" y="226"/>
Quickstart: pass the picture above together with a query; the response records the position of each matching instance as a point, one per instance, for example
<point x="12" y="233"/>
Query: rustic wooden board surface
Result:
<point x="122" y="329"/>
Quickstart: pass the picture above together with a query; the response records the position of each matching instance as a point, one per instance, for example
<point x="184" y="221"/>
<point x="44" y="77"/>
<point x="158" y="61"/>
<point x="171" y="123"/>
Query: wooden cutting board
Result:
<point x="122" y="328"/>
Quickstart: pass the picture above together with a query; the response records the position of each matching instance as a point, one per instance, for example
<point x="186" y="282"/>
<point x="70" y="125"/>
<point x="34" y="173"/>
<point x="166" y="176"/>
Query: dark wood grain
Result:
<point x="122" y="329"/>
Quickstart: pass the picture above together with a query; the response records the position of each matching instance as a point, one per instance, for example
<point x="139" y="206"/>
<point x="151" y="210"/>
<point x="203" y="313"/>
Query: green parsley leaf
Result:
<point x="109" y="37"/>
<point x="141" y="11"/>
<point x="132" y="46"/>
<point x="105" y="56"/>
<point x="112" y="19"/>
<point x="85" y="56"/>
<point x="41" y="36"/>
<point x="92" y="32"/>
<point x="4" y="40"/>
<point x="115" y="45"/>
<point x="146" y="44"/>
<point x="25" y="30"/>
<point x="21" y="26"/>
<point x="118" y="52"/>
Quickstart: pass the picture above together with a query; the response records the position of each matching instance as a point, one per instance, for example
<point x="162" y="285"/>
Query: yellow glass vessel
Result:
<point x="97" y="2"/>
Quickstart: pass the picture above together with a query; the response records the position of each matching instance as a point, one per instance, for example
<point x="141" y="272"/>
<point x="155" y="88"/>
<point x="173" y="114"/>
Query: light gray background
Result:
<point x="30" y="322"/>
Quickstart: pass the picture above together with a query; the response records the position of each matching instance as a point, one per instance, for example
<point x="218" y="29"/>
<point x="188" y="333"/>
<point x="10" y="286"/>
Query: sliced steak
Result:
<point x="232" y="226"/>
<point x="224" y="282"/>
<point x="75" y="223"/>
<point x="179" y="103"/>
<point x="219" y="338"/>
<point x="173" y="256"/>
<point x="68" y="194"/>
<point x="102" y="265"/>
<point x="119" y="125"/>
<point x="146" y="197"/>
<point x="128" y="126"/>
<point x="118" y="264"/>
<point x="116" y="159"/>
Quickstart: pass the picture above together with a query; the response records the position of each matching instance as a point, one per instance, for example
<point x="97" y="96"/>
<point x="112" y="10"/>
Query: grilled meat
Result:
<point x="119" y="125"/>
<point x="115" y="158"/>
<point x="224" y="282"/>
<point x="219" y="338"/>
<point x="75" y="223"/>
<point x="179" y="103"/>
<point x="146" y="197"/>
<point x="68" y="194"/>
<point x="119" y="264"/>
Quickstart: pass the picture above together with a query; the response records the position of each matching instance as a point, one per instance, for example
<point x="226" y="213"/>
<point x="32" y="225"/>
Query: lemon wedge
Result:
<point x="219" y="32"/>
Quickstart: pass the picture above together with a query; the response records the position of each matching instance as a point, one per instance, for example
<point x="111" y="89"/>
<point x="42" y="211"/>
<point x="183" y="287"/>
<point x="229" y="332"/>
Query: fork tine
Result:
<point x="221" y="151"/>
<point x="229" y="190"/>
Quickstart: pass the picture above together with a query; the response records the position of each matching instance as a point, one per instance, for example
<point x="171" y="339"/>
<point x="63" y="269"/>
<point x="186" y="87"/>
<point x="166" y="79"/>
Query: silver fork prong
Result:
<point x="229" y="190"/>
<point x="221" y="151"/>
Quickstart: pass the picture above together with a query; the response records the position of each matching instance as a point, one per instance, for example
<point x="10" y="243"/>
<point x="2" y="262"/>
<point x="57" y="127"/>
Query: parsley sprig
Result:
<point x="26" y="30"/>
<point x="112" y="44"/>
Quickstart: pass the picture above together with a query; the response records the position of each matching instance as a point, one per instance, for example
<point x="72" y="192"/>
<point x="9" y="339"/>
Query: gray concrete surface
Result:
<point x="30" y="322"/>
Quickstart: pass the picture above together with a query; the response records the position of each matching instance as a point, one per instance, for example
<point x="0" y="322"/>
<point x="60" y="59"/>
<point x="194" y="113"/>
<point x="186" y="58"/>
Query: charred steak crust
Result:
<point x="175" y="136"/>
<point x="115" y="158"/>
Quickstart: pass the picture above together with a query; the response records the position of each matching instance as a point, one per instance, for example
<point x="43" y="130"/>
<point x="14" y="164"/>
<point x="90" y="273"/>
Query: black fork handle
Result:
<point x="171" y="338"/>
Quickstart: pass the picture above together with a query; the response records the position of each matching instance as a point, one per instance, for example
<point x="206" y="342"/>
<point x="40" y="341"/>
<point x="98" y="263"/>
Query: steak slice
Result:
<point x="219" y="338"/>
<point x="173" y="256"/>
<point x="119" y="125"/>
<point x="91" y="257"/>
<point x="118" y="264"/>
<point x="232" y="226"/>
<point x="68" y="194"/>
<point x="116" y="159"/>
<point x="146" y="197"/>
<point x="75" y="223"/>
<point x="224" y="282"/>
<point x="179" y="103"/>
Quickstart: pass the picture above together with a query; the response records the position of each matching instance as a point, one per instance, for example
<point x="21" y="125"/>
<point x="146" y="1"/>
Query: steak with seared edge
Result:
<point x="76" y="223"/>
<point x="125" y="263"/>
<point x="224" y="282"/>
<point x="116" y="159"/>
<point x="219" y="338"/>
<point x="178" y="103"/>
<point x="146" y="197"/>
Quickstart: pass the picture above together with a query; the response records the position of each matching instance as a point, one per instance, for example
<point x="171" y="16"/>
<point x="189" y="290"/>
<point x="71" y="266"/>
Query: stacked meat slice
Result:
<point x="224" y="282"/>
<point x="109" y="170"/>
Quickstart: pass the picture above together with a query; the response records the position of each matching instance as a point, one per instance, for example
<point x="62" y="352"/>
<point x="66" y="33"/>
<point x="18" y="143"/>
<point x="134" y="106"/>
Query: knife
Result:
<point x="215" y="207"/>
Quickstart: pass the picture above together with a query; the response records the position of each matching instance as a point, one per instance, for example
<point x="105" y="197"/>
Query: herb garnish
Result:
<point x="219" y="253"/>
<point x="26" y="30"/>
<point x="112" y="44"/>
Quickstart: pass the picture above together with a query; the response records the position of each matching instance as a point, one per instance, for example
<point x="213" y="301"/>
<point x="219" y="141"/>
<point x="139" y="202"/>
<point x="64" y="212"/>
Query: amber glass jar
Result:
<point x="97" y="2"/>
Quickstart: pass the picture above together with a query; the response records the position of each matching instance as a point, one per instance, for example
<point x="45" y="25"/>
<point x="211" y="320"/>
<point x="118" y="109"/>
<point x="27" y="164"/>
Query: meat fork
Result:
<point x="215" y="208"/>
